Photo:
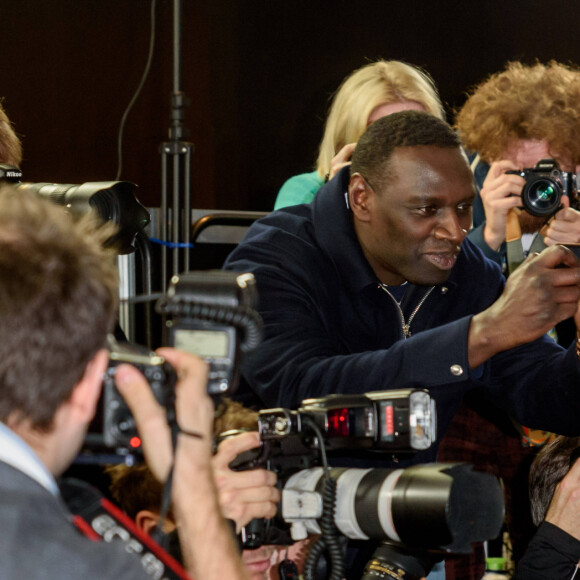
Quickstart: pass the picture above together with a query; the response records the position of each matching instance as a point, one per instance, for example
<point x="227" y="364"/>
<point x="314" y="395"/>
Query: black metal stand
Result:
<point x="176" y="155"/>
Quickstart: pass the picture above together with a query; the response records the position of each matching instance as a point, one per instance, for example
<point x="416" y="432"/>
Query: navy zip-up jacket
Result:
<point x="330" y="328"/>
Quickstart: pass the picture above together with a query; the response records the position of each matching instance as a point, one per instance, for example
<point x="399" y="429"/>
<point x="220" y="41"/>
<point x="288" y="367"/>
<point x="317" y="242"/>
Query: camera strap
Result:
<point x="515" y="256"/>
<point x="100" y="520"/>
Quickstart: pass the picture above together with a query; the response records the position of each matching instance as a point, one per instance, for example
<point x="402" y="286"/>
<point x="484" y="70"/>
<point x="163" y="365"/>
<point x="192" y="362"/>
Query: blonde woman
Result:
<point x="373" y="91"/>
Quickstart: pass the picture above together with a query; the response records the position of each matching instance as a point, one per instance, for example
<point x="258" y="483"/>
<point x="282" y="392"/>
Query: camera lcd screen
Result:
<point x="204" y="343"/>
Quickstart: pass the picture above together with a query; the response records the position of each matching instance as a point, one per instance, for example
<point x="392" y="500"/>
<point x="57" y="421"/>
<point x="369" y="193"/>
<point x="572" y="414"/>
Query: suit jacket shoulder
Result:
<point x="40" y="541"/>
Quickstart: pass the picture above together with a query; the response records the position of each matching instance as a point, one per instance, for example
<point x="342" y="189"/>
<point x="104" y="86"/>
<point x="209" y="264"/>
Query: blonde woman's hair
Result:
<point x="377" y="83"/>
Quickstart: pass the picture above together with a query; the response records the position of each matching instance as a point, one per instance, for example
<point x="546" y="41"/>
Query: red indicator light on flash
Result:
<point x="389" y="420"/>
<point x="135" y="442"/>
<point x="338" y="425"/>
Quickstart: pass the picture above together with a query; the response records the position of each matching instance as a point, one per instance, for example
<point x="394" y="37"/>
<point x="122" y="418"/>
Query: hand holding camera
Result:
<point x="543" y="291"/>
<point x="543" y="192"/>
<point x="564" y="228"/>
<point x="244" y="495"/>
<point x="500" y="193"/>
<point x="341" y="160"/>
<point x="193" y="406"/>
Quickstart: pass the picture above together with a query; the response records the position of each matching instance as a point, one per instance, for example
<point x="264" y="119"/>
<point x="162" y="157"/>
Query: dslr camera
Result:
<point x="545" y="185"/>
<point x="415" y="515"/>
<point x="112" y="436"/>
<point x="208" y="313"/>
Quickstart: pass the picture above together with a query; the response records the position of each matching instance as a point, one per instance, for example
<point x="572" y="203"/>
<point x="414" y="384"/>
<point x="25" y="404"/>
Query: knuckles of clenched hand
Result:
<point x="237" y="505"/>
<point x="245" y="494"/>
<point x="544" y="289"/>
<point x="225" y="478"/>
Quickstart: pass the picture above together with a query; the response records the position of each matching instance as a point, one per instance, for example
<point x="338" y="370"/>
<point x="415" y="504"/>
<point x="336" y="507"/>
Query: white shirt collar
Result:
<point x="527" y="241"/>
<point x="16" y="452"/>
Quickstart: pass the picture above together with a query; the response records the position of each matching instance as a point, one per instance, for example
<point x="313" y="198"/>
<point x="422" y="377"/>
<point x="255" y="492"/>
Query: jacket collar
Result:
<point x="335" y="233"/>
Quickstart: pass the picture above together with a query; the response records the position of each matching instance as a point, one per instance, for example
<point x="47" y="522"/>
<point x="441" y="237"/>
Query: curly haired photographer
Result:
<point x="511" y="121"/>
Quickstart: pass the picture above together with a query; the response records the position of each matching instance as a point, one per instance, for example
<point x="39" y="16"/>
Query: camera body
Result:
<point x="113" y="429"/>
<point x="545" y="185"/>
<point x="427" y="510"/>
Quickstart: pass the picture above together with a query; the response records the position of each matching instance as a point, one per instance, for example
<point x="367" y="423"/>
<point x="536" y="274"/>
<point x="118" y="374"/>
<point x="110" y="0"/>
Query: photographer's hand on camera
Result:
<point x="194" y="410"/>
<point x="244" y="495"/>
<point x="206" y="540"/>
<point x="500" y="193"/>
<point x="564" y="227"/>
<point x="538" y="295"/>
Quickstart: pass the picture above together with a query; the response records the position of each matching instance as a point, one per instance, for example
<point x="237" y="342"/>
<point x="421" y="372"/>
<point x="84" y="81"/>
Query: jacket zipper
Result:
<point x="406" y="326"/>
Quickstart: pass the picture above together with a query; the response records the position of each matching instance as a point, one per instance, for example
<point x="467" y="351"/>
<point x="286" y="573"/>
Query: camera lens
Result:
<point x="392" y="561"/>
<point x="541" y="197"/>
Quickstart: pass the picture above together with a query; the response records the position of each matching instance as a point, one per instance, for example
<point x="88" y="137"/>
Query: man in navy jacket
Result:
<point x="57" y="304"/>
<point x="374" y="286"/>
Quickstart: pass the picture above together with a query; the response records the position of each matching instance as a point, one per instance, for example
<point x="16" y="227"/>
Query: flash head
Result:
<point x="399" y="420"/>
<point x="211" y="313"/>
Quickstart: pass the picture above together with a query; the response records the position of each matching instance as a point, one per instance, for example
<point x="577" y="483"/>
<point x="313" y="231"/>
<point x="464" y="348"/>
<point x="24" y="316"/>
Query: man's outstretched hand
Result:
<point x="543" y="291"/>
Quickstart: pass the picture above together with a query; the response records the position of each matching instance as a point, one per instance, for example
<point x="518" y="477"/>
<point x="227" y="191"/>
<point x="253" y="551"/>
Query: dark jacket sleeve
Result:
<point x="476" y="236"/>
<point x="552" y="554"/>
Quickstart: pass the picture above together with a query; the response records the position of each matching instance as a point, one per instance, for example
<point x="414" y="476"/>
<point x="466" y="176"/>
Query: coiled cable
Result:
<point x="242" y="317"/>
<point x="329" y="540"/>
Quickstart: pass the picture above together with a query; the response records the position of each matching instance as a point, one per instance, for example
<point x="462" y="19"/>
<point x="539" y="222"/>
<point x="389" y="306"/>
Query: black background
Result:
<point x="259" y="75"/>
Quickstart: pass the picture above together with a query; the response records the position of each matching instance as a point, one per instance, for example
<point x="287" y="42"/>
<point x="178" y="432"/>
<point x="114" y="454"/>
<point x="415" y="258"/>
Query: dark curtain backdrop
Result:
<point x="259" y="75"/>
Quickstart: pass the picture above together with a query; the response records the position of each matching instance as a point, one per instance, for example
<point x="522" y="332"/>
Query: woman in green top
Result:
<point x="373" y="91"/>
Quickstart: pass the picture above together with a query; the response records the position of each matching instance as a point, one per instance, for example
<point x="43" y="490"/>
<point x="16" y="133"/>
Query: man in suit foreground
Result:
<point x="57" y="304"/>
